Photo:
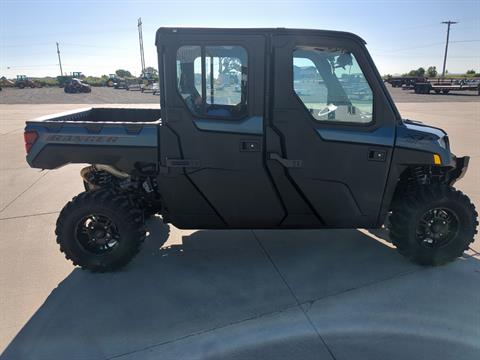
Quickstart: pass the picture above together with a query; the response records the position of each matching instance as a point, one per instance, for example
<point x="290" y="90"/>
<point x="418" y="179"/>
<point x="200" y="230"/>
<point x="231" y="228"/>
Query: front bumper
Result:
<point x="460" y="169"/>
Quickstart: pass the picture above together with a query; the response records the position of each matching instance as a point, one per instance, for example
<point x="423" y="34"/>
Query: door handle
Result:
<point x="250" y="145"/>
<point x="377" y="155"/>
<point x="286" y="162"/>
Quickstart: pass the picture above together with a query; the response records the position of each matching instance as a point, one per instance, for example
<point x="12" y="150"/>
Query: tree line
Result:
<point x="432" y="72"/>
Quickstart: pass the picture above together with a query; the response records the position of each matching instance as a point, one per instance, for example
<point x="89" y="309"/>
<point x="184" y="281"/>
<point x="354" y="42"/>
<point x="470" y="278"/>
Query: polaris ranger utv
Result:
<point x="257" y="128"/>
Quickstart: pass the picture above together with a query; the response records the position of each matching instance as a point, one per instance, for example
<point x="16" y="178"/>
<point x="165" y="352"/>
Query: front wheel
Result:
<point x="433" y="225"/>
<point x="100" y="230"/>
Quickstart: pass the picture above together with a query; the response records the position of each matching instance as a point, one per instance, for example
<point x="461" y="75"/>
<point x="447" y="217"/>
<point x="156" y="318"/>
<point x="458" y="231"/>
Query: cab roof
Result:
<point x="256" y="31"/>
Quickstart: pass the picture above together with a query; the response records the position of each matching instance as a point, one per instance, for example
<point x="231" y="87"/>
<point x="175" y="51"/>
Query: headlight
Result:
<point x="444" y="142"/>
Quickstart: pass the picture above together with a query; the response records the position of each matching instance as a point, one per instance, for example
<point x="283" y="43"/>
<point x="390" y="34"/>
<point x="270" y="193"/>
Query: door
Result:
<point x="213" y="172"/>
<point x="331" y="130"/>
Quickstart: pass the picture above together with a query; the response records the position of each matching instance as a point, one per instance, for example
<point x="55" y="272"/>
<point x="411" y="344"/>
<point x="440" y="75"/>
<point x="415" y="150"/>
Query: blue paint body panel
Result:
<point x="76" y="134"/>
<point x="58" y="133"/>
<point x="416" y="136"/>
<point x="252" y="125"/>
<point x="383" y="136"/>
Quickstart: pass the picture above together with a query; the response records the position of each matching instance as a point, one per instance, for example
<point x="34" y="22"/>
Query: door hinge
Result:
<point x="179" y="163"/>
<point x="286" y="162"/>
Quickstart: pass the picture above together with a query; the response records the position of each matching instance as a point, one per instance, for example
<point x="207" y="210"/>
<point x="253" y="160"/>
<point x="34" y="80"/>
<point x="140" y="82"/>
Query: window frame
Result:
<point x="202" y="46"/>
<point x="369" y="124"/>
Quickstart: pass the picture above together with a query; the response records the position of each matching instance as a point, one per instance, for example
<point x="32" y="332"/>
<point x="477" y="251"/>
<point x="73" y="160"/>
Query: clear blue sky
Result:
<point x="98" y="37"/>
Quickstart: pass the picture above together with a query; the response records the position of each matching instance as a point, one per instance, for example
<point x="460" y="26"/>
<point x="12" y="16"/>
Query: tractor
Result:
<point x="23" y="81"/>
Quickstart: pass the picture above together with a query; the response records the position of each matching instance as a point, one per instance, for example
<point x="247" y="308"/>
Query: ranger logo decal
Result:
<point x="83" y="138"/>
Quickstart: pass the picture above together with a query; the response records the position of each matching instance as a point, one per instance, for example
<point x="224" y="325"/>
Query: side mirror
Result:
<point x="343" y="60"/>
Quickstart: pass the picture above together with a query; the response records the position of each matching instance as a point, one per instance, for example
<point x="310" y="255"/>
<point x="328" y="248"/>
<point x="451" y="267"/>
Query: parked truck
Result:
<point x="285" y="148"/>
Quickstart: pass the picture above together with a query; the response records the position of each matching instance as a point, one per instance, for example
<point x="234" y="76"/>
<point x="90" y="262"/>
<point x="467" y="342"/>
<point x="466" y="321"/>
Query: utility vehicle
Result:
<point x="257" y="128"/>
<point x="77" y="86"/>
<point x="64" y="80"/>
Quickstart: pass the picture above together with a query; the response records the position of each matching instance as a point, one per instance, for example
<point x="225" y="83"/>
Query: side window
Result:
<point x="331" y="85"/>
<point x="189" y="75"/>
<point x="219" y="87"/>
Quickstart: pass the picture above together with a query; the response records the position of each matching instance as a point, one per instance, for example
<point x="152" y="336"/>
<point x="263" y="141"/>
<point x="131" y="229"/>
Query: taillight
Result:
<point x="30" y="138"/>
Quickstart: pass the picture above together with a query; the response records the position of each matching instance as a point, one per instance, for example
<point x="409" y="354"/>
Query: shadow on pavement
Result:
<point x="212" y="280"/>
<point x="457" y="94"/>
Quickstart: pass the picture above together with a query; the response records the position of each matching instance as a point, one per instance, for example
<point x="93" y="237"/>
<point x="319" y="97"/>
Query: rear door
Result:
<point x="331" y="131"/>
<point x="212" y="139"/>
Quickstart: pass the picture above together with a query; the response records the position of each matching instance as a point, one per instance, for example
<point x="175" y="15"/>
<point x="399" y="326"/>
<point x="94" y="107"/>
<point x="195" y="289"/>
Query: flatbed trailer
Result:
<point x="408" y="81"/>
<point x="445" y="86"/>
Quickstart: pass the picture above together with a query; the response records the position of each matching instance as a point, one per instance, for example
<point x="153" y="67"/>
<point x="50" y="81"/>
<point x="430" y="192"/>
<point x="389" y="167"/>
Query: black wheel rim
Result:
<point x="437" y="228"/>
<point x="97" y="234"/>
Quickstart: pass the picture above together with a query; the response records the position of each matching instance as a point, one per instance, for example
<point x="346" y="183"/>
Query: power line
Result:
<point x="95" y="46"/>
<point x="446" y="44"/>
<point x="74" y="32"/>
<point x="31" y="66"/>
<point x="428" y="45"/>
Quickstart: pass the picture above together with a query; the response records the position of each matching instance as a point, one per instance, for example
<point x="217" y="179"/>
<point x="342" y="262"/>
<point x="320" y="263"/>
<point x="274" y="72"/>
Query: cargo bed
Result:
<point x="122" y="137"/>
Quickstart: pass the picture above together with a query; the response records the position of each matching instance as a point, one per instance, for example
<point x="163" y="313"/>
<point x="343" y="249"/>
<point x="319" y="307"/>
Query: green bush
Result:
<point x="47" y="81"/>
<point x="96" y="81"/>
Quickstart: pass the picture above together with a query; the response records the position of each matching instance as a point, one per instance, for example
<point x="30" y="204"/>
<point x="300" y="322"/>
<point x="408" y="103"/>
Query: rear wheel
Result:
<point x="100" y="230"/>
<point x="433" y="225"/>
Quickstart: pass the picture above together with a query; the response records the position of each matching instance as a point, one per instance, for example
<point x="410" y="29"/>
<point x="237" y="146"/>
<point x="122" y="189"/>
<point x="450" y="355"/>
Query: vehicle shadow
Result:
<point x="461" y="94"/>
<point x="197" y="282"/>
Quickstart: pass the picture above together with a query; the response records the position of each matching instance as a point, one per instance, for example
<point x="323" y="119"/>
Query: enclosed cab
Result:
<point x="272" y="129"/>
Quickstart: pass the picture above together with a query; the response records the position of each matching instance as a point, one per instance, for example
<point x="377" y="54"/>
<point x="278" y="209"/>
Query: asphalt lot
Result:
<point x="331" y="294"/>
<point x="104" y="95"/>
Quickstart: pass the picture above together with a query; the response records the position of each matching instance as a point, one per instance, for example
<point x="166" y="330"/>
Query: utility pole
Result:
<point x="59" y="61"/>
<point x="140" y="38"/>
<point x="446" y="45"/>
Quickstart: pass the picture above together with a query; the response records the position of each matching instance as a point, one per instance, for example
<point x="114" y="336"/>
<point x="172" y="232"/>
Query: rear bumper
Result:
<point x="460" y="169"/>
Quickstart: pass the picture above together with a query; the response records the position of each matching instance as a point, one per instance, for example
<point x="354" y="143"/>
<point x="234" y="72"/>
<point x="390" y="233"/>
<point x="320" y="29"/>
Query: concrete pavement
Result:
<point x="332" y="294"/>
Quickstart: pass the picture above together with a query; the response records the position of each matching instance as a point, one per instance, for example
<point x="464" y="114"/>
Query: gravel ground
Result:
<point x="102" y="95"/>
<point x="55" y="95"/>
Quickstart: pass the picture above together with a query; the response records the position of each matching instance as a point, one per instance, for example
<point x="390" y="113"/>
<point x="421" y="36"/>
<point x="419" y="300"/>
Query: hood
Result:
<point x="418" y="136"/>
